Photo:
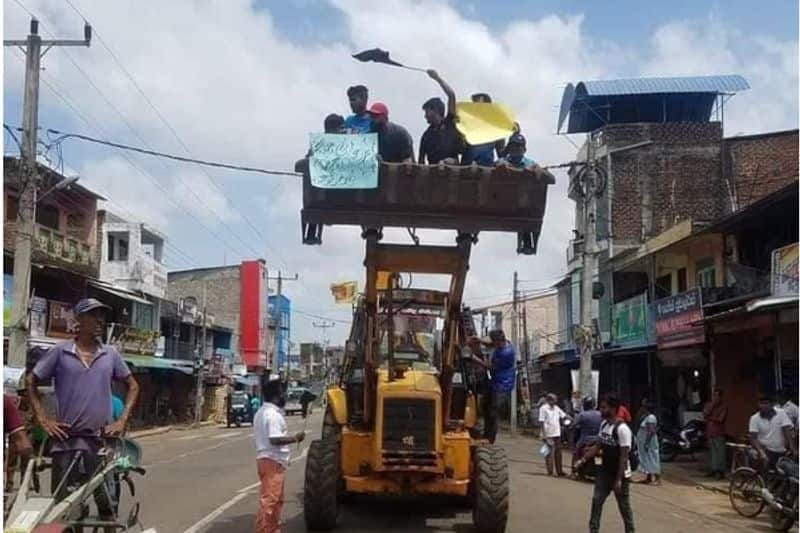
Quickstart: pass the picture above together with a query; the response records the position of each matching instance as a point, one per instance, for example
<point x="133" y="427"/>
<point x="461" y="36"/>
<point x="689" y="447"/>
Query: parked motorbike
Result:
<point x="781" y="495"/>
<point x="687" y="440"/>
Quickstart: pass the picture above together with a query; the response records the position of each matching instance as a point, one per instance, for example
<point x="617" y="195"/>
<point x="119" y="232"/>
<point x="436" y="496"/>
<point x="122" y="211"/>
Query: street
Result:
<point x="204" y="481"/>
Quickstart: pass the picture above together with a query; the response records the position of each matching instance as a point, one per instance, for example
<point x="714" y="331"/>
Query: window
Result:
<point x="682" y="280"/>
<point x="48" y="216"/>
<point x="497" y="320"/>
<point x="706" y="273"/>
<point x="12" y="208"/>
<point x="117" y="247"/>
<point x="663" y="286"/>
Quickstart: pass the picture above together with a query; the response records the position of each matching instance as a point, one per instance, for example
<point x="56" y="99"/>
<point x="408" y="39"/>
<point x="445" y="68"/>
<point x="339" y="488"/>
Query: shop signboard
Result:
<point x="678" y="320"/>
<point x="785" y="271"/>
<point x="631" y="320"/>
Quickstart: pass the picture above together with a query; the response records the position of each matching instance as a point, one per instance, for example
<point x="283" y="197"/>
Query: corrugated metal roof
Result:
<point x="690" y="84"/>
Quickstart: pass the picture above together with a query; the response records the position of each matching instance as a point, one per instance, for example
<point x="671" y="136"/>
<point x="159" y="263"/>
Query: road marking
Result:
<point x="225" y="435"/>
<point x="189" y="437"/>
<point x="240" y="495"/>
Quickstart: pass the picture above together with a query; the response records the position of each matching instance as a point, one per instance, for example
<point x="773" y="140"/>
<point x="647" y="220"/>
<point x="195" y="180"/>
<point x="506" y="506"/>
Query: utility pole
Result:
<point x="28" y="183"/>
<point x="324" y="325"/>
<point x="201" y="356"/>
<point x="515" y="336"/>
<point x="587" y="274"/>
<point x="278" y="322"/>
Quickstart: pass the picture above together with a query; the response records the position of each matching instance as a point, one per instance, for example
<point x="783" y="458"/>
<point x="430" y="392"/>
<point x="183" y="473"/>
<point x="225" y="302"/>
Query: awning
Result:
<point x="119" y="292"/>
<point x="771" y="303"/>
<point x="160" y="363"/>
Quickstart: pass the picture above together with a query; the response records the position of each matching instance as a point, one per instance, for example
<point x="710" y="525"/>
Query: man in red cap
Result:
<point x="394" y="142"/>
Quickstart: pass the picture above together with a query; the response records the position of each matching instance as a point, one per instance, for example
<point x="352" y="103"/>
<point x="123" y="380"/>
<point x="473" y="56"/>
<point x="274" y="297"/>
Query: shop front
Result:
<point x="682" y="358"/>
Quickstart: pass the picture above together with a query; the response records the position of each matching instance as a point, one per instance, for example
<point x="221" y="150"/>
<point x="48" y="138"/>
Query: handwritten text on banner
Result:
<point x="344" y="161"/>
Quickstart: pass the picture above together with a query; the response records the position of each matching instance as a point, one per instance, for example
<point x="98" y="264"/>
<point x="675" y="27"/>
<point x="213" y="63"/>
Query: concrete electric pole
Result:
<point x="324" y="325"/>
<point x="28" y="183"/>
<point x="199" y="362"/>
<point x="515" y="336"/>
<point x="587" y="275"/>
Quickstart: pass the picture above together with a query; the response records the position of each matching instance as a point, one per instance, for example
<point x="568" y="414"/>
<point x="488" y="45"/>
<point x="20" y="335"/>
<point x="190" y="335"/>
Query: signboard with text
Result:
<point x="344" y="161"/>
<point x="785" y="271"/>
<point x="678" y="320"/>
<point x="630" y="321"/>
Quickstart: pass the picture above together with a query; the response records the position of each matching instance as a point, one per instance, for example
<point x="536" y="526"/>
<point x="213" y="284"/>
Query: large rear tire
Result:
<point x="320" y="495"/>
<point x="490" y="507"/>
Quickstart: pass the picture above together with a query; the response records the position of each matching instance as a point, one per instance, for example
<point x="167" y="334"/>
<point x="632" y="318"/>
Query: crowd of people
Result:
<point x="441" y="142"/>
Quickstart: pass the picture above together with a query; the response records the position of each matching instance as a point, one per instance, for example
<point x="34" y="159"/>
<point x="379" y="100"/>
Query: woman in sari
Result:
<point x="647" y="444"/>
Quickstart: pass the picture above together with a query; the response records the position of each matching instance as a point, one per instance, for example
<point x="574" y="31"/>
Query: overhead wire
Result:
<point x="136" y="134"/>
<point x="177" y="137"/>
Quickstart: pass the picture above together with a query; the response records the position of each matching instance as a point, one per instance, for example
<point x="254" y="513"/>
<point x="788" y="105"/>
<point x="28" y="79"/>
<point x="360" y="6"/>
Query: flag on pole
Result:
<point x="345" y="292"/>
<point x="376" y="55"/>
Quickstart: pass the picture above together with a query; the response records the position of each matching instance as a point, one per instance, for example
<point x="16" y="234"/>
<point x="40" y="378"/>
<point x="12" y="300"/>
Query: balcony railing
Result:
<point x="60" y="246"/>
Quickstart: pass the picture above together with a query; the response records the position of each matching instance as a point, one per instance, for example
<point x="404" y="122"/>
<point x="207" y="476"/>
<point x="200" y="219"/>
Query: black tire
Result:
<point x="668" y="451"/>
<point x="783" y="521"/>
<point x="321" y="491"/>
<point x="330" y="429"/>
<point x="490" y="506"/>
<point x="745" y="492"/>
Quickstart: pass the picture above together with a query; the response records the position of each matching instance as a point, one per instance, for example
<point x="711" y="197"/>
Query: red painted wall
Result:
<point x="253" y="314"/>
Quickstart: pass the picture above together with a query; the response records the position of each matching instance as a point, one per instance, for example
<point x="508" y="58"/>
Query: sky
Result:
<point x="245" y="82"/>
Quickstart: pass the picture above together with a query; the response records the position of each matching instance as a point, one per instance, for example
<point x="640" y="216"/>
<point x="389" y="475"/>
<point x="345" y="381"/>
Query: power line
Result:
<point x="172" y="130"/>
<point x="141" y="139"/>
<point x="64" y="136"/>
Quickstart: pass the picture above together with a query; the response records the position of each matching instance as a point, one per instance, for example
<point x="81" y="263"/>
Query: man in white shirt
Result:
<point x="550" y="416"/>
<point x="771" y="432"/>
<point x="272" y="456"/>
<point x="614" y="441"/>
<point x="786" y="403"/>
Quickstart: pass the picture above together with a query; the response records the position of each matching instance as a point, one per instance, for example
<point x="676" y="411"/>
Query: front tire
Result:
<point x="322" y="482"/>
<point x="490" y="506"/>
<point x="745" y="492"/>
<point x="330" y="429"/>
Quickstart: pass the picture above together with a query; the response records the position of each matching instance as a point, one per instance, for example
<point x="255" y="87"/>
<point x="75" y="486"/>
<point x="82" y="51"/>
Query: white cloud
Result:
<point x="237" y="91"/>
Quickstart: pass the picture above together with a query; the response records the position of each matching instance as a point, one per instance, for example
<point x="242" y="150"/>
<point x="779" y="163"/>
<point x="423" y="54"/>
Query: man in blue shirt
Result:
<point x="503" y="368"/>
<point x="483" y="154"/>
<point x="515" y="154"/>
<point x="360" y="121"/>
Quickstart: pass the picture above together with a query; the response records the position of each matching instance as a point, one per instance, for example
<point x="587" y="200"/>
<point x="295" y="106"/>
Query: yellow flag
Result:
<point x="382" y="280"/>
<point x="344" y="293"/>
<point x="482" y="123"/>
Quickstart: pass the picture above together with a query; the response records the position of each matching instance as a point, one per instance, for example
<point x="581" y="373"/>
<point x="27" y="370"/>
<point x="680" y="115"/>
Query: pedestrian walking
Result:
<point x="647" y="444"/>
<point x="551" y="415"/>
<point x="272" y="456"/>
<point x="715" y="413"/>
<point x="614" y="442"/>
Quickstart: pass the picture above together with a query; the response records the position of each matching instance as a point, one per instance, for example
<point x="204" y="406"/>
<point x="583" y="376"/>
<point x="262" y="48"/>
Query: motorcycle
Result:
<point x="689" y="439"/>
<point x="781" y="495"/>
<point x="588" y="470"/>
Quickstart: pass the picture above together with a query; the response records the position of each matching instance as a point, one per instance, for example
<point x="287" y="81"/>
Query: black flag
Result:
<point x="377" y="55"/>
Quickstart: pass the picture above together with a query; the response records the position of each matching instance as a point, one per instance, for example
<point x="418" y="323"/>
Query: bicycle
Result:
<point x="753" y="488"/>
<point x="118" y="458"/>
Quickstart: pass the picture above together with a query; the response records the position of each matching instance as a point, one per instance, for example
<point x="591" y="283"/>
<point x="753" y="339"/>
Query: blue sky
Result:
<point x="246" y="82"/>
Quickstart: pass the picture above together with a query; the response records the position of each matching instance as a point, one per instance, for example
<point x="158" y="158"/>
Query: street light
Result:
<point x="60" y="186"/>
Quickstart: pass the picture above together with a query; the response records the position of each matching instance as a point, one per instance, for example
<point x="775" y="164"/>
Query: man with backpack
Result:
<point x="615" y="441"/>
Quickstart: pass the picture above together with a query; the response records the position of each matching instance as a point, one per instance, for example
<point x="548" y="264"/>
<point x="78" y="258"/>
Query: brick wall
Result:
<point x="222" y="294"/>
<point x="676" y="177"/>
<point x="759" y="165"/>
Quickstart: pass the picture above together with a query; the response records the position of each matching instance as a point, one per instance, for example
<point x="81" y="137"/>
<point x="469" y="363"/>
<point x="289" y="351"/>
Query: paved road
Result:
<point x="204" y="481"/>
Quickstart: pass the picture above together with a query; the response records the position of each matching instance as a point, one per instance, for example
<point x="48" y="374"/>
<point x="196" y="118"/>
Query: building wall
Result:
<point x="543" y="321"/>
<point x="759" y="165"/>
<point x="222" y="287"/>
<point x="652" y="187"/>
<point x="140" y="271"/>
<point x="280" y="311"/>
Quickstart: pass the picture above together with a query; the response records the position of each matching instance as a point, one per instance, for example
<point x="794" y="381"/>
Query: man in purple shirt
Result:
<point x="83" y="370"/>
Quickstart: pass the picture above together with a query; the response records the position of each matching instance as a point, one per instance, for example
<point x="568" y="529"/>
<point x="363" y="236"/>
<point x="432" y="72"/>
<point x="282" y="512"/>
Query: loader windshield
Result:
<point x="414" y="341"/>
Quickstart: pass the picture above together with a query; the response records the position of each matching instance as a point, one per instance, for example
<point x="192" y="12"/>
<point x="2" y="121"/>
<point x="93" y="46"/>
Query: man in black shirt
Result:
<point x="441" y="142"/>
<point x="394" y="142"/>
